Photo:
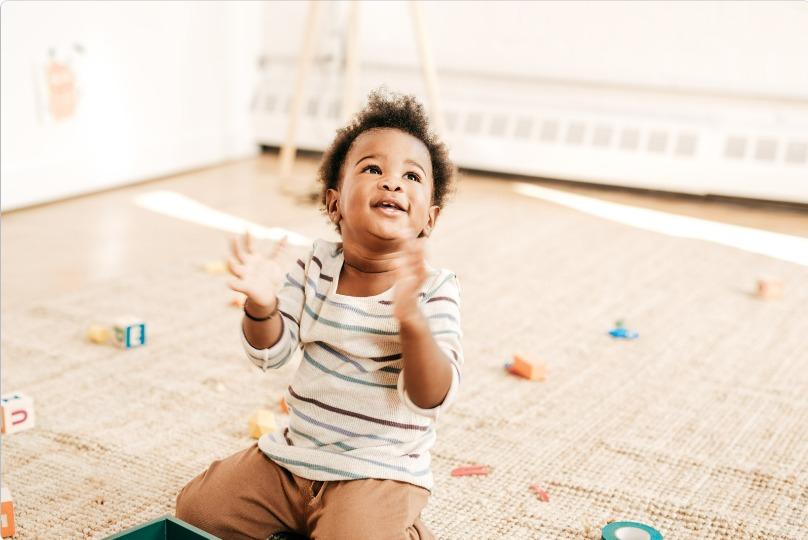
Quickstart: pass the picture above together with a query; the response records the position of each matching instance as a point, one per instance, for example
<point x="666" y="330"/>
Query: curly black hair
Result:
<point x="395" y="111"/>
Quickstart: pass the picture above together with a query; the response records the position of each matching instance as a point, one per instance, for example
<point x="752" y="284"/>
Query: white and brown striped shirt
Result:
<point x="350" y="416"/>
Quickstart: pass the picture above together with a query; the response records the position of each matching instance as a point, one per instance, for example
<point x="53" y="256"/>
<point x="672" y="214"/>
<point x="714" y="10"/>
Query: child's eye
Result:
<point x="413" y="176"/>
<point x="372" y="167"/>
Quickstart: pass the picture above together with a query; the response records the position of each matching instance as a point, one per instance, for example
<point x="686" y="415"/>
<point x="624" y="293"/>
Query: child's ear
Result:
<point x="332" y="206"/>
<point x="432" y="218"/>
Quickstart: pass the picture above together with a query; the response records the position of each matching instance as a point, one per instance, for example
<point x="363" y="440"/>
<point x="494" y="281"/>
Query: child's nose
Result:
<point x="389" y="184"/>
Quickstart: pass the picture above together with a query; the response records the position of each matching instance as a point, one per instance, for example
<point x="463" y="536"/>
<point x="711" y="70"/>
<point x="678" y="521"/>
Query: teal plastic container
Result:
<point x="164" y="528"/>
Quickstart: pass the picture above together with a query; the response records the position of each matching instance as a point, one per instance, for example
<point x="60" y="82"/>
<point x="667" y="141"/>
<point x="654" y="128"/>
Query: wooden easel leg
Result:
<point x="428" y="68"/>
<point x="289" y="148"/>
<point x="350" y="86"/>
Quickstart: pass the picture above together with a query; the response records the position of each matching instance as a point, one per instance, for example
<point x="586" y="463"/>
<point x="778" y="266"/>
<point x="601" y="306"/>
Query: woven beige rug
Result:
<point x="699" y="427"/>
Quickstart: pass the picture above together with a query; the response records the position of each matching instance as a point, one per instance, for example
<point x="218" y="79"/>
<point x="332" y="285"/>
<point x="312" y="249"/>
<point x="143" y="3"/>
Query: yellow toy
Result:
<point x="261" y="423"/>
<point x="99" y="334"/>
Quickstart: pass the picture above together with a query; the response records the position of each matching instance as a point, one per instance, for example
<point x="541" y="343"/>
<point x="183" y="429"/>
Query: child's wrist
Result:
<point x="413" y="322"/>
<point x="254" y="310"/>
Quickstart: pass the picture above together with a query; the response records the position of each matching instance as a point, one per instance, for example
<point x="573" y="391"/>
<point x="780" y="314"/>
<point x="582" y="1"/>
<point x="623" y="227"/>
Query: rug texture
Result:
<point x="699" y="427"/>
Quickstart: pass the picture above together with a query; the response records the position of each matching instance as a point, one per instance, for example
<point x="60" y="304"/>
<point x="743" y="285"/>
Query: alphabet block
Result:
<point x="129" y="332"/>
<point x="522" y="368"/>
<point x="17" y="413"/>
<point x="6" y="513"/>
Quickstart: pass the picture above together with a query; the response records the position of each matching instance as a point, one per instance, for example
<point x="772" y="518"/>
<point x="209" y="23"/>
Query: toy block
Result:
<point x="522" y="368"/>
<point x="284" y="407"/>
<point x="17" y="413"/>
<point x="471" y="470"/>
<point x="99" y="334"/>
<point x="768" y="288"/>
<point x="215" y="267"/>
<point x="129" y="332"/>
<point x="6" y="513"/>
<point x="261" y="423"/>
<point x="540" y="493"/>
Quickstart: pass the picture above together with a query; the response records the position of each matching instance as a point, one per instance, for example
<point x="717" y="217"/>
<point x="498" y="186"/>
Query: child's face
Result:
<point x="384" y="166"/>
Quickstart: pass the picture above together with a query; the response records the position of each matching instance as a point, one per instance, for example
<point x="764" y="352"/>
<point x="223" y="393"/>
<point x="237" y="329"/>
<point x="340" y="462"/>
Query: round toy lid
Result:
<point x="629" y="530"/>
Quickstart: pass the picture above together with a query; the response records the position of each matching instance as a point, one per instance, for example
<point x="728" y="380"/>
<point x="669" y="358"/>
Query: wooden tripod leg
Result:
<point x="289" y="148"/>
<point x="350" y="86"/>
<point x="428" y="68"/>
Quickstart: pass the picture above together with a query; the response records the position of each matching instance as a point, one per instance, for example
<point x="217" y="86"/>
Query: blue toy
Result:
<point x="620" y="332"/>
<point x="623" y="333"/>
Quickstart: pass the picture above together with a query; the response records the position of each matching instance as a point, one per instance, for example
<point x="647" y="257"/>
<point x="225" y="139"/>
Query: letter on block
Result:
<point x="262" y="422"/>
<point x="17" y="413"/>
<point x="130" y="332"/>
<point x="6" y="513"/>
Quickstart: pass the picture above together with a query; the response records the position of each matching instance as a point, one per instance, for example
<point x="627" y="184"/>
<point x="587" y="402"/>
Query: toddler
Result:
<point x="380" y="333"/>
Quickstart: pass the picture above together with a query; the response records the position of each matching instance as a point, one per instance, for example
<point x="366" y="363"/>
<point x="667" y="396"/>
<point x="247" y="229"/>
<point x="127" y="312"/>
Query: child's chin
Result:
<point x="391" y="233"/>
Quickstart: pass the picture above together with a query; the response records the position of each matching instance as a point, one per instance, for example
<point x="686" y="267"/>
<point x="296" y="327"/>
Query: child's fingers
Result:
<point x="416" y="245"/>
<point x="279" y="248"/>
<point x="414" y="270"/>
<point x="248" y="242"/>
<point x="235" y="248"/>
<point x="415" y="253"/>
<point x="237" y="286"/>
<point x="235" y="268"/>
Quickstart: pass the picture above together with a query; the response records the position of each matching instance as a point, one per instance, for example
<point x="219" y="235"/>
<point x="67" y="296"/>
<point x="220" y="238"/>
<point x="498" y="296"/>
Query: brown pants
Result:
<point x="247" y="495"/>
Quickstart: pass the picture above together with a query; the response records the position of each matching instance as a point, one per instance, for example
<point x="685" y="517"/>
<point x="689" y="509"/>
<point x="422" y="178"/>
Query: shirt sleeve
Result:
<point x="291" y="299"/>
<point x="441" y="307"/>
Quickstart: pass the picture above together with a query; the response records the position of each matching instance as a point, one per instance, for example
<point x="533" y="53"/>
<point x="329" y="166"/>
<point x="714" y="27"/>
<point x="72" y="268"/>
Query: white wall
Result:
<point x="744" y="48"/>
<point x="163" y="87"/>
<point x="166" y="86"/>
<point x="713" y="94"/>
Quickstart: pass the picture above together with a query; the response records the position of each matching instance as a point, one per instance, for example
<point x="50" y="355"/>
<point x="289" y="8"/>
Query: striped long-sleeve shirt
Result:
<point x="350" y="414"/>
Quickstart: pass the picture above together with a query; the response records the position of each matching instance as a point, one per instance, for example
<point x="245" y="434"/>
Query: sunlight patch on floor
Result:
<point x="780" y="246"/>
<point x="182" y="207"/>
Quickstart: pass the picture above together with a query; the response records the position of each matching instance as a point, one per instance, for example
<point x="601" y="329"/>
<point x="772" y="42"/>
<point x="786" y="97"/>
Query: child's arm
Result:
<point x="427" y="371"/>
<point x="430" y="346"/>
<point x="274" y="297"/>
<point x="262" y="334"/>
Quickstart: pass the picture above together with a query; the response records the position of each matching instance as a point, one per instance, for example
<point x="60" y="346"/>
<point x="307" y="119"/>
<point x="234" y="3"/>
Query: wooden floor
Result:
<point x="55" y="248"/>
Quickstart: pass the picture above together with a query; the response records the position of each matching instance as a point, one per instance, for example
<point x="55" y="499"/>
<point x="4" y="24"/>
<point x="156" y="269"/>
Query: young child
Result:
<point x="380" y="333"/>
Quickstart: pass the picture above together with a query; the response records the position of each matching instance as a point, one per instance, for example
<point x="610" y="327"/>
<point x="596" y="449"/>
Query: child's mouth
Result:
<point x="389" y="208"/>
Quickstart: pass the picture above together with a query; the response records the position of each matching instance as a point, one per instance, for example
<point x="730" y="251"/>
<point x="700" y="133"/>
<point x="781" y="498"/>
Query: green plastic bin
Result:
<point x="164" y="528"/>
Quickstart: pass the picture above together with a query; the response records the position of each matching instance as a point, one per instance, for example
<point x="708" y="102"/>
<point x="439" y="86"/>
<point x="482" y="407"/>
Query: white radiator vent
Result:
<point x="797" y="152"/>
<point x="524" y="127"/>
<point x="686" y="144"/>
<point x="735" y="147"/>
<point x="667" y="144"/>
<point x="549" y="131"/>
<point x="474" y="121"/>
<point x="629" y="139"/>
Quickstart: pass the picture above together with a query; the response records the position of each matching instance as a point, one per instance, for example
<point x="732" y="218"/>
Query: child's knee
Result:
<point x="190" y="505"/>
<point x="349" y="525"/>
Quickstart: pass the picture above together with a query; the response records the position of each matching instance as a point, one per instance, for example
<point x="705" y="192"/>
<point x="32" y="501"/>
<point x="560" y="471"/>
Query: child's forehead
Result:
<point x="389" y="142"/>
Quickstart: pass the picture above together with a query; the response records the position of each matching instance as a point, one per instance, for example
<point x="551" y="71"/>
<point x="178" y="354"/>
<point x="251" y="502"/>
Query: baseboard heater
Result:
<point x="670" y="140"/>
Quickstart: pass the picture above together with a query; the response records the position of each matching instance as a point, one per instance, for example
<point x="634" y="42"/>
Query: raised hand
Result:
<point x="410" y="276"/>
<point x="258" y="276"/>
